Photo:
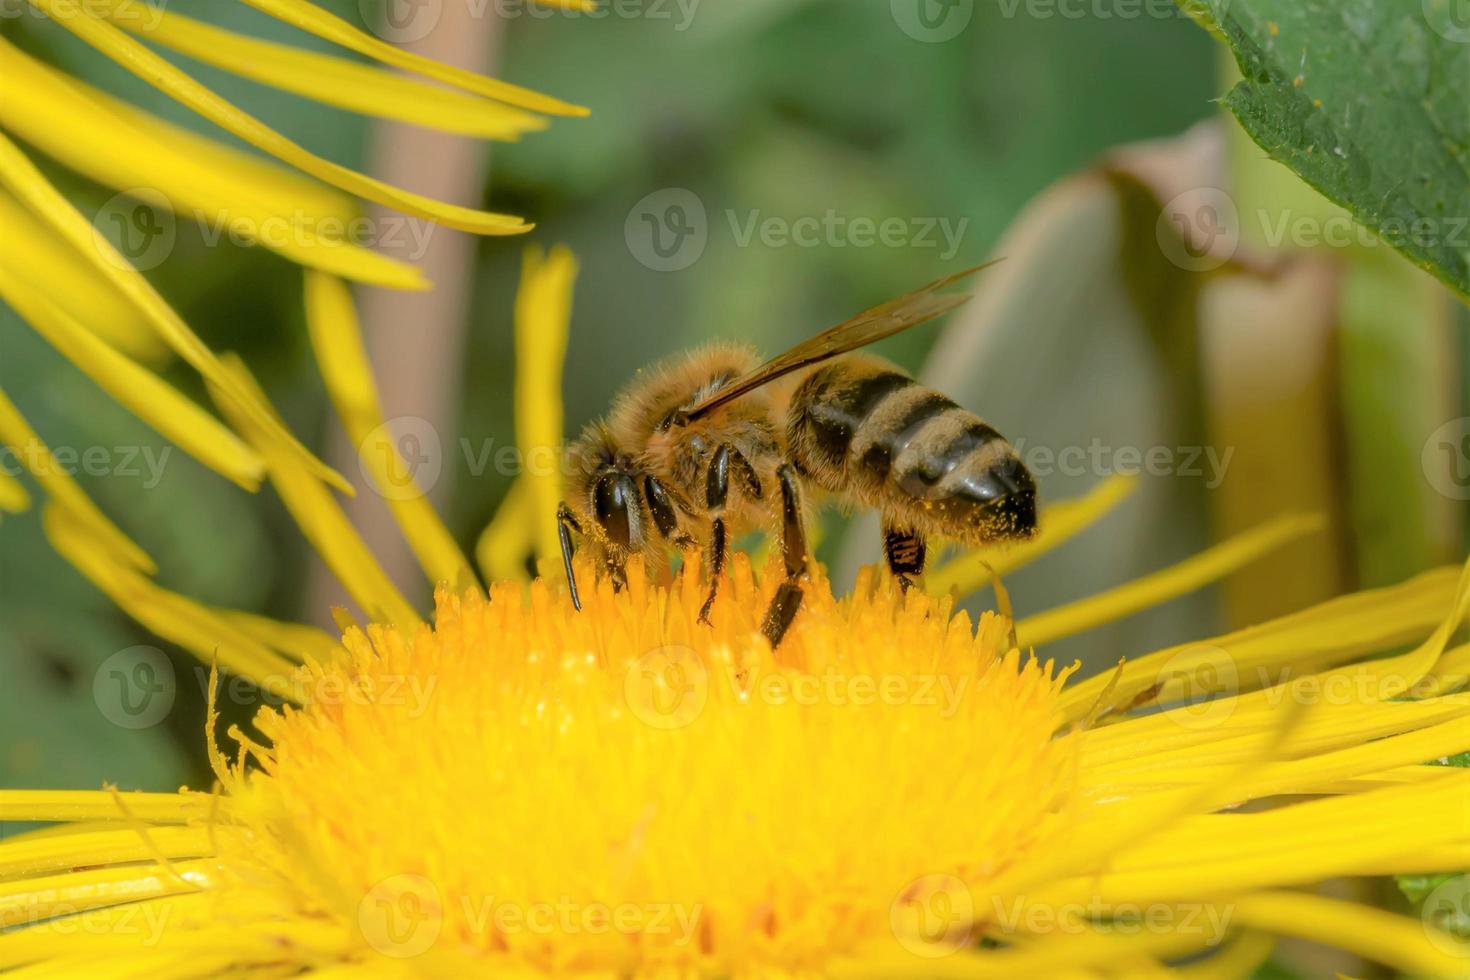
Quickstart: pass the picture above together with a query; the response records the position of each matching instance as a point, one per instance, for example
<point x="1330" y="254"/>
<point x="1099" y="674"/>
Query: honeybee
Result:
<point x="712" y="443"/>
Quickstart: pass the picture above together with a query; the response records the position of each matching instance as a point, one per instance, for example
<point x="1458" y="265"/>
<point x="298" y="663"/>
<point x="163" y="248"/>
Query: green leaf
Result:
<point x="1365" y="101"/>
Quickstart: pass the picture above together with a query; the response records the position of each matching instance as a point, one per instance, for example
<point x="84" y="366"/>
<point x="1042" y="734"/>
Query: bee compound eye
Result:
<point x="613" y="500"/>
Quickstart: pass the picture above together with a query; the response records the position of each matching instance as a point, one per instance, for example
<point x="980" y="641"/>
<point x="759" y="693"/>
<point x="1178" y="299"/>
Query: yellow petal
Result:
<point x="13" y="496"/>
<point x="509" y="537"/>
<point x="168" y="79"/>
<point x="137" y="389"/>
<point x="543" y="316"/>
<point x="1403" y="943"/>
<point x="329" y="79"/>
<point x="1059" y="523"/>
<point x="314" y="20"/>
<point x="33" y="805"/>
<point x="1193" y="573"/>
<point x="34" y="254"/>
<point x="1241" y="958"/>
<point x="337" y="340"/>
<point x="36" y="457"/>
<point x="27" y="183"/>
<point x="295" y="641"/>
<point x="99" y="848"/>
<point x="321" y="519"/>
<point x="31" y="900"/>
<point x="169" y="615"/>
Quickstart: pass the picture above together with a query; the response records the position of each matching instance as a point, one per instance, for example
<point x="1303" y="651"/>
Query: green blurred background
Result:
<point x="781" y="109"/>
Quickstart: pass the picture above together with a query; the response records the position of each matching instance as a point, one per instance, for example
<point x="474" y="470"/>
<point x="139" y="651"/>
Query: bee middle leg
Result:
<point x="787" y="600"/>
<point x="904" y="550"/>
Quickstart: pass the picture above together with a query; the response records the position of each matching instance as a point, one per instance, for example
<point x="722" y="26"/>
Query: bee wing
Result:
<point x="869" y="326"/>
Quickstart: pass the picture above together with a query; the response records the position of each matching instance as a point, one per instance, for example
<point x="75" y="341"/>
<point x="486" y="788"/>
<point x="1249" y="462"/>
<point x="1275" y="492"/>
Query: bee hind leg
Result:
<point x="787" y="600"/>
<point x="904" y="551"/>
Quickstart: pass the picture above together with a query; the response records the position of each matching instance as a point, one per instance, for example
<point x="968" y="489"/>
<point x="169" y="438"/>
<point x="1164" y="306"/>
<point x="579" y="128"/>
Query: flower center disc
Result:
<point x="627" y="787"/>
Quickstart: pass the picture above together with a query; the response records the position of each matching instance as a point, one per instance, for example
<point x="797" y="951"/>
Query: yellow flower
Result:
<point x="521" y="789"/>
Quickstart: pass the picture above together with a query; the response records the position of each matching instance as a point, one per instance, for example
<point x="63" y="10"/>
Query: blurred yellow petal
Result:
<point x="295" y="641"/>
<point x="27" y="183"/>
<point x="510" y="536"/>
<point x="178" y="619"/>
<point x="543" y="315"/>
<point x="136" y="388"/>
<point x="337" y="341"/>
<point x="1060" y="522"/>
<point x="315" y="20"/>
<point x="320" y="517"/>
<point x="1400" y="942"/>
<point x="1240" y="958"/>
<point x="1193" y="573"/>
<point x="35" y="456"/>
<point x="34" y="254"/>
<point x="226" y="193"/>
<point x="332" y="80"/>
<point x="101" y="847"/>
<point x="13" y="496"/>
<point x="167" y="78"/>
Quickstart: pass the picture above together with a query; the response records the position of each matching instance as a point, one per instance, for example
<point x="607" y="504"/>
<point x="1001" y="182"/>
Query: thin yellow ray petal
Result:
<point x="169" y="615"/>
<point x="1333" y="632"/>
<point x="586" y="6"/>
<point x="1374" y="934"/>
<point x="33" y="454"/>
<point x="163" y="75"/>
<point x="223" y="191"/>
<point x="1298" y="844"/>
<point x="509" y="537"/>
<point x="31" y="900"/>
<point x="295" y="641"/>
<point x="1208" y="566"/>
<point x="106" y="847"/>
<point x="337" y="340"/>
<point x="74" y="805"/>
<point x="34" y="254"/>
<point x="28" y="184"/>
<point x="13" y="497"/>
<point x="321" y="518"/>
<point x="1050" y="957"/>
<point x="1451" y="673"/>
<point x="543" y="314"/>
<point x="314" y="20"/>
<point x="172" y="414"/>
<point x="1059" y="523"/>
<point x="1398" y="674"/>
<point x="329" y="79"/>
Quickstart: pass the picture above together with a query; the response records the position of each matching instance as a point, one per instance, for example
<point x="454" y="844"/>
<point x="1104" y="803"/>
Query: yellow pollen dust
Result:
<point x="628" y="789"/>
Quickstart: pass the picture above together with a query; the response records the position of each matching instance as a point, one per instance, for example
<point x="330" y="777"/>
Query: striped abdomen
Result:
<point x="866" y="432"/>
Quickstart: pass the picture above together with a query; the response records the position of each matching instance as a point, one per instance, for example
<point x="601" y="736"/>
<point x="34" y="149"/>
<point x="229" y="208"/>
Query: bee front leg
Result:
<point x="904" y="551"/>
<point x="787" y="600"/>
<point x="565" y="525"/>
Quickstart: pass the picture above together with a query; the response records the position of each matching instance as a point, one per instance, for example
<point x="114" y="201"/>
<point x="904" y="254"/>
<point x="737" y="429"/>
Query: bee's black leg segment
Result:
<point x="565" y="525"/>
<point x="905" y="553"/>
<point x="716" y="564"/>
<point x="617" y="571"/>
<point x="781" y="612"/>
<point x="717" y="479"/>
<point x="787" y="599"/>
